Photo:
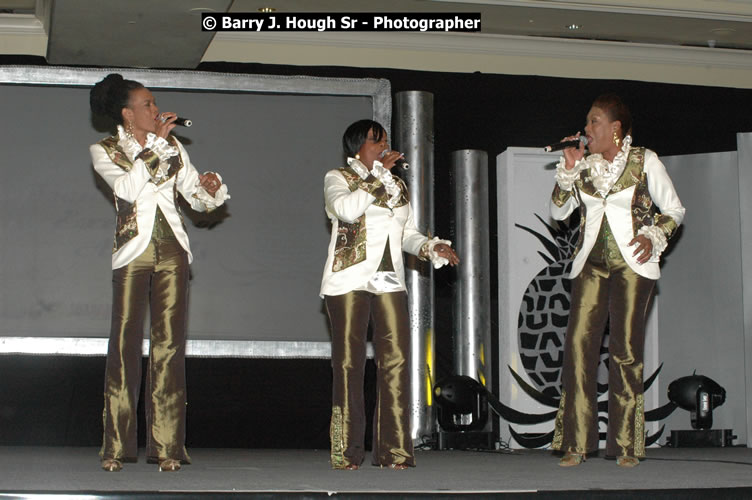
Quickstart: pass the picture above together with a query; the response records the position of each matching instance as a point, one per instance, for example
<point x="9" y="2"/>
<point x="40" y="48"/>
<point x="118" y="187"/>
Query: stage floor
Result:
<point x="688" y="473"/>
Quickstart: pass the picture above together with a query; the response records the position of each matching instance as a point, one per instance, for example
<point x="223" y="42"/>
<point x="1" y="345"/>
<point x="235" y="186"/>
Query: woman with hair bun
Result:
<point x="147" y="169"/>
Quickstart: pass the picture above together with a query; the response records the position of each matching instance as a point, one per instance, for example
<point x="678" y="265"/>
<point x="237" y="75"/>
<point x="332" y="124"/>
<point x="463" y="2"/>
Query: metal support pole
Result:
<point x="472" y="314"/>
<point x="413" y="136"/>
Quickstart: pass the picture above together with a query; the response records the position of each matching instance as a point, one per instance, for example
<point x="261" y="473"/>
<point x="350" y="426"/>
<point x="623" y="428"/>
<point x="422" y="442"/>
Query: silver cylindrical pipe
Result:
<point x="472" y="311"/>
<point x="413" y="136"/>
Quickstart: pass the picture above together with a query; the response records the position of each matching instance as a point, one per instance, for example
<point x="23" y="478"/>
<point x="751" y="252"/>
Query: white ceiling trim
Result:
<point x="722" y="11"/>
<point x="503" y="45"/>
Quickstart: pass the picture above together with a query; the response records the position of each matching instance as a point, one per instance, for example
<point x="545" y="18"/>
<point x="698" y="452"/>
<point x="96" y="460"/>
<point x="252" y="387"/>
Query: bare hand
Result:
<point x="644" y="248"/>
<point x="573" y="155"/>
<point x="210" y="182"/>
<point x="390" y="158"/>
<point x="444" y="250"/>
<point x="165" y="123"/>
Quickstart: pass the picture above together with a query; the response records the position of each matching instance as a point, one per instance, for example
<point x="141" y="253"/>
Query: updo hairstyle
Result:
<point x="109" y="96"/>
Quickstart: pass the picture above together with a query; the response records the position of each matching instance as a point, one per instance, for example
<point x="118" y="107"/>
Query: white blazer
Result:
<point x="398" y="225"/>
<point x="136" y="186"/>
<point x="617" y="207"/>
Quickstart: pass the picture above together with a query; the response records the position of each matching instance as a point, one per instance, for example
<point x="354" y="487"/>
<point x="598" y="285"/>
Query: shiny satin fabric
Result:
<point x="349" y="315"/>
<point x="156" y="281"/>
<point x="605" y="290"/>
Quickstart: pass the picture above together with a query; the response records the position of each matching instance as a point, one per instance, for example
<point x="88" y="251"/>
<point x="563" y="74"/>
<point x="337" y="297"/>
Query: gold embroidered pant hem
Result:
<point x="350" y="315"/>
<point x="156" y="281"/>
<point x="616" y="294"/>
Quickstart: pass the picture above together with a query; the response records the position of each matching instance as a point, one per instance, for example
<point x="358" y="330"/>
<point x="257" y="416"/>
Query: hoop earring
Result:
<point x="616" y="139"/>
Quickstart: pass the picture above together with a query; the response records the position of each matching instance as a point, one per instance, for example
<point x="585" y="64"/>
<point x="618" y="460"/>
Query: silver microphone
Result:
<point x="401" y="162"/>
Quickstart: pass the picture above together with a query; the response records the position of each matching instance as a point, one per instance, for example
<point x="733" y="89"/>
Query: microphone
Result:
<point x="401" y="162"/>
<point x="566" y="144"/>
<point x="185" y="122"/>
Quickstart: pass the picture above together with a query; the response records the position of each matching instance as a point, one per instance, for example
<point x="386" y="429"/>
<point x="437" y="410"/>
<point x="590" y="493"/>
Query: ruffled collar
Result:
<point x="385" y="176"/>
<point x="604" y="173"/>
<point x="360" y="168"/>
<point x="129" y="143"/>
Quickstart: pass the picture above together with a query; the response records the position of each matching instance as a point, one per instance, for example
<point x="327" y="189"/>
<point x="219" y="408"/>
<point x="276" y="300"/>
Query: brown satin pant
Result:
<point x="604" y="291"/>
<point x="157" y="281"/>
<point x="350" y="315"/>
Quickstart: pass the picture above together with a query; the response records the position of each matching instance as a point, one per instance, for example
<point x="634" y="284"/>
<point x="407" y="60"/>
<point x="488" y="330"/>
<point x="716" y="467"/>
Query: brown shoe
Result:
<point x="169" y="465"/>
<point x="571" y="459"/>
<point x="112" y="465"/>
<point x="398" y="466"/>
<point x="628" y="462"/>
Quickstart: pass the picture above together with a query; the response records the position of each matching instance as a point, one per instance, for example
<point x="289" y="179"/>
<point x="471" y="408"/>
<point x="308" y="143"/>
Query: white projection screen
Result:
<point x="257" y="262"/>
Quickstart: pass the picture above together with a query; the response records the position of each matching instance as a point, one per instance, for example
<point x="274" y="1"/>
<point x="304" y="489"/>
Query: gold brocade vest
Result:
<point x="605" y="251"/>
<point x="350" y="248"/>
<point x="126" y="226"/>
<point x="643" y="211"/>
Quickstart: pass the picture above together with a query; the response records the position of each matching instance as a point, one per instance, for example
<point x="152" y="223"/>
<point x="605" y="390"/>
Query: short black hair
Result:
<point x="357" y="133"/>
<point x="615" y="109"/>
<point x="109" y="96"/>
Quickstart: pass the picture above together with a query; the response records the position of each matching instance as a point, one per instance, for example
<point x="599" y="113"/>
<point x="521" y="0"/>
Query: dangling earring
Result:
<point x="616" y="139"/>
<point x="129" y="129"/>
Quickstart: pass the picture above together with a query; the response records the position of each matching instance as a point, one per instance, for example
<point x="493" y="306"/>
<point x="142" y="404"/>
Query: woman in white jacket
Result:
<point x="364" y="281"/>
<point x="147" y="168"/>
<point x="628" y="209"/>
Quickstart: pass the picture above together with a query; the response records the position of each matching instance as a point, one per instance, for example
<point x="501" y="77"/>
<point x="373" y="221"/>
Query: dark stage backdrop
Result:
<point x="239" y="402"/>
<point x="257" y="261"/>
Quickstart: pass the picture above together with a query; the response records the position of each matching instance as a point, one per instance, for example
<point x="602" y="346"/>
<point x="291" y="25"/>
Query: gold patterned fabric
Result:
<point x="374" y="187"/>
<point x="606" y="290"/>
<point x="350" y="247"/>
<point x="349" y="315"/>
<point x="156" y="281"/>
<point x="643" y="210"/>
<point x="351" y="244"/>
<point x="126" y="226"/>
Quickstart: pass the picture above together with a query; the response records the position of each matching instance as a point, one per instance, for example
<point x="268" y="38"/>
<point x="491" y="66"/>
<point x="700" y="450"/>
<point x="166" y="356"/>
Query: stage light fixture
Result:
<point x="457" y="397"/>
<point x="699" y="395"/>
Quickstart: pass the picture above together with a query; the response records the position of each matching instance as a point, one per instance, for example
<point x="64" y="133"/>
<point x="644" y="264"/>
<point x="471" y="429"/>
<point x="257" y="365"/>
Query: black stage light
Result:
<point x="699" y="395"/>
<point x="459" y="396"/>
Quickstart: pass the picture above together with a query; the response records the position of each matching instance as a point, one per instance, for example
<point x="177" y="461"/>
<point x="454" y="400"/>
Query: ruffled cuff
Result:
<point x="160" y="146"/>
<point x="209" y="201"/>
<point x="566" y="178"/>
<point x="391" y="186"/>
<point x="657" y="237"/>
<point x="427" y="251"/>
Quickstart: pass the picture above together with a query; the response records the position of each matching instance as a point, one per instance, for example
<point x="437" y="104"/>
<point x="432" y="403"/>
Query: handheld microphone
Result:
<point x="185" y="122"/>
<point x="566" y="144"/>
<point x="401" y="162"/>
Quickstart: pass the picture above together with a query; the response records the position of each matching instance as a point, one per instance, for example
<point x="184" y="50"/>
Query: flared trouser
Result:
<point x="615" y="293"/>
<point x="156" y="281"/>
<point x="350" y="315"/>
